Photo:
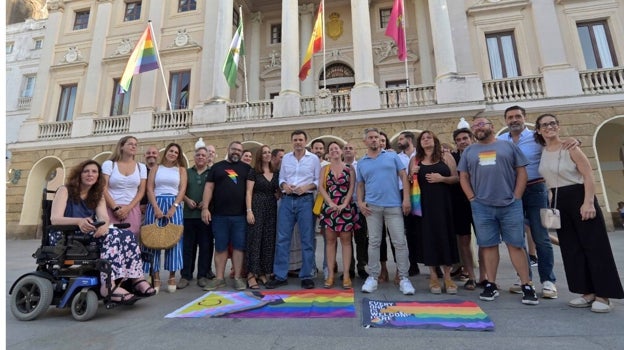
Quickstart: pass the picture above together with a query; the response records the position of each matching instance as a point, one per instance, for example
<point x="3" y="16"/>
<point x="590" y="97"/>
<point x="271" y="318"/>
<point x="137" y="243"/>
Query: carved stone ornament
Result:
<point x="182" y="38"/>
<point x="55" y="5"/>
<point x="334" y="26"/>
<point x="72" y="55"/>
<point x="275" y="60"/>
<point x="324" y="101"/>
<point x="124" y="47"/>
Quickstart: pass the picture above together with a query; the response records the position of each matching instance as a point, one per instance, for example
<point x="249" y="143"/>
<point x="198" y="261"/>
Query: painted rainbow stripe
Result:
<point x="232" y="175"/>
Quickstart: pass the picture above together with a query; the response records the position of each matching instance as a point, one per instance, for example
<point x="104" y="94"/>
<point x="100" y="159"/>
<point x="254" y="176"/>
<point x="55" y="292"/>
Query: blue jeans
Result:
<point x="536" y="197"/>
<point x="229" y="229"/>
<point x="493" y="223"/>
<point x="294" y="210"/>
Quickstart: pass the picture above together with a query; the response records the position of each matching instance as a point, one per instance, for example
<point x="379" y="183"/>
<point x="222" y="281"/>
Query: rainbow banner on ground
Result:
<point x="142" y="59"/>
<point x="314" y="303"/>
<point x="446" y="314"/>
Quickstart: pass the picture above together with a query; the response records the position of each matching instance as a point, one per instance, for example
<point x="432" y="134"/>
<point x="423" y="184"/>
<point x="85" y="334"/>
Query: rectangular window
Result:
<point x="133" y="11"/>
<point x="597" y="45"/>
<point x="179" y="89"/>
<point x="38" y="44"/>
<point x="503" y="55"/>
<point x="187" y="5"/>
<point x="67" y="103"/>
<point x="82" y="20"/>
<point x="276" y="33"/>
<point x="120" y="103"/>
<point x="384" y="17"/>
<point x="9" y="47"/>
<point x="29" y="86"/>
<point x="396" y="83"/>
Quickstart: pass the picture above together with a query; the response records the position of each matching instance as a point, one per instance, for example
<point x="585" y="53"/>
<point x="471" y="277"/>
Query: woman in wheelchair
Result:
<point x="78" y="203"/>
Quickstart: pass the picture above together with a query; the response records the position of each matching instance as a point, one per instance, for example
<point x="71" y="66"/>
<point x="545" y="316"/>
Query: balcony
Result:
<point x="169" y="120"/>
<point x="111" y="125"/>
<point x="24" y="102"/>
<point x="602" y="81"/>
<point x="57" y="130"/>
<point x="414" y="96"/>
<point x="514" y="89"/>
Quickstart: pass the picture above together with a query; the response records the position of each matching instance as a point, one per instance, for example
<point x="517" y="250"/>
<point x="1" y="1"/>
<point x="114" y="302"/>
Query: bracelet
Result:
<point x="249" y="210"/>
<point x="116" y="208"/>
<point x="471" y="198"/>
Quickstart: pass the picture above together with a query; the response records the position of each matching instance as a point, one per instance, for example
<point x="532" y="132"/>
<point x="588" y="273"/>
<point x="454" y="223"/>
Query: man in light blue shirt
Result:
<point x="379" y="200"/>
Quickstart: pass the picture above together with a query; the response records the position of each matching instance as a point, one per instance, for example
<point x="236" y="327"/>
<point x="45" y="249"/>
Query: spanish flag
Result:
<point x="315" y="45"/>
<point x="142" y="59"/>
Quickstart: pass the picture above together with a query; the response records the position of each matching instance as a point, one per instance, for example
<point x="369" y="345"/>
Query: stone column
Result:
<point x="145" y="85"/>
<point x="365" y="93"/>
<point x="307" y="13"/>
<point x="451" y="87"/>
<point x="253" y="56"/>
<point x="29" y="130"/>
<point x="287" y="104"/>
<point x="213" y="88"/>
<point x="560" y="78"/>
<point x="423" y="30"/>
<point x="83" y="119"/>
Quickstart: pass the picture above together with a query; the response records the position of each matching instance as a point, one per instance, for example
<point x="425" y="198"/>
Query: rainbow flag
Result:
<point x="142" y="59"/>
<point x="445" y="314"/>
<point x="312" y="303"/>
<point x="415" y="197"/>
<point x="315" y="45"/>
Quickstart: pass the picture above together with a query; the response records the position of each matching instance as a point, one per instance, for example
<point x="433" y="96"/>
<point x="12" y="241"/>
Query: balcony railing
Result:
<point x="57" y="130"/>
<point x="23" y="102"/>
<point x="111" y="125"/>
<point x="602" y="81"/>
<point x="178" y="119"/>
<point x="422" y="95"/>
<point x="341" y="102"/>
<point x="250" y="110"/>
<point x="514" y="89"/>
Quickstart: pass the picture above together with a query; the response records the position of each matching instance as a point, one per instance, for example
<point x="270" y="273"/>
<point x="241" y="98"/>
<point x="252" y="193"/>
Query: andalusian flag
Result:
<point x="396" y="31"/>
<point x="237" y="49"/>
<point x="315" y="45"/>
<point x="142" y="59"/>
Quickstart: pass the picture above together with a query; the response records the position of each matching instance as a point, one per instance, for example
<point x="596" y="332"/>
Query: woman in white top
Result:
<point x="166" y="186"/>
<point x="124" y="181"/>
<point x="587" y="257"/>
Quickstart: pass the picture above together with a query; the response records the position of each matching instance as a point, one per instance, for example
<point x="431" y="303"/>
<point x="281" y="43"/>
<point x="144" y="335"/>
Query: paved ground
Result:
<point x="551" y="324"/>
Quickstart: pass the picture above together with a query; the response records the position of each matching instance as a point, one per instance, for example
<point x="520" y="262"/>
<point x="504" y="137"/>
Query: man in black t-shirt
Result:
<point x="226" y="187"/>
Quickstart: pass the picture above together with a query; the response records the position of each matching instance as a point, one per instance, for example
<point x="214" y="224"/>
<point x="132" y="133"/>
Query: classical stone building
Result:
<point x="465" y="58"/>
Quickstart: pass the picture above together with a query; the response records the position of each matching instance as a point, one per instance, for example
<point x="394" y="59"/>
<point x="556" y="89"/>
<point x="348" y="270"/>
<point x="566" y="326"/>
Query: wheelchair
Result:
<point x="67" y="275"/>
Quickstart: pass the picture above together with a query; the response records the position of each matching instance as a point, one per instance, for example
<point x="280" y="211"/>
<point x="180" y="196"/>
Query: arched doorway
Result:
<point x="609" y="148"/>
<point x="340" y="77"/>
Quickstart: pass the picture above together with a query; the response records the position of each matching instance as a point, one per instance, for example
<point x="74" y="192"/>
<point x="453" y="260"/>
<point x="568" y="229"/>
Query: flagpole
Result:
<point x="242" y="38"/>
<point x="407" y="91"/>
<point x="162" y="73"/>
<point x="323" y="38"/>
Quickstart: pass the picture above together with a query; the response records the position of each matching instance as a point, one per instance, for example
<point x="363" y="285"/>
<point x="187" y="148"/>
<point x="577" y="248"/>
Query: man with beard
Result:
<point x="535" y="197"/>
<point x="151" y="160"/>
<point x="493" y="177"/>
<point x="379" y="201"/>
<point x="298" y="179"/>
<point x="226" y="184"/>
<point x="411" y="222"/>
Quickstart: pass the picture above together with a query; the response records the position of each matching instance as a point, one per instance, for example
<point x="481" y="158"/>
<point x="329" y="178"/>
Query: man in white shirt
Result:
<point x="298" y="179"/>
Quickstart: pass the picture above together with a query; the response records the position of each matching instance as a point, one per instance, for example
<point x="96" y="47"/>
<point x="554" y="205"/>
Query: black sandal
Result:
<point x="122" y="298"/>
<point x="254" y="284"/>
<point x="148" y="292"/>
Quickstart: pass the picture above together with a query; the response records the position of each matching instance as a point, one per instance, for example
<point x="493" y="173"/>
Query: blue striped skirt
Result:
<point x="173" y="256"/>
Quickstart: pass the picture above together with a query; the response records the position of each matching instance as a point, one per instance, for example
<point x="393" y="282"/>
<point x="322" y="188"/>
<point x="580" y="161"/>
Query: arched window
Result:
<point x="340" y="77"/>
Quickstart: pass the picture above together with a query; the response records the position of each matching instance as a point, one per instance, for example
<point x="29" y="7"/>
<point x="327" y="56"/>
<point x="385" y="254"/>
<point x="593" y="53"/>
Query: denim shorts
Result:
<point x="495" y="223"/>
<point x="229" y="229"/>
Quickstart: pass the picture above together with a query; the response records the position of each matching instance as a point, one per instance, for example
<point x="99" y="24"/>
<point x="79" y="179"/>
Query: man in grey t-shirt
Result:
<point x="493" y="177"/>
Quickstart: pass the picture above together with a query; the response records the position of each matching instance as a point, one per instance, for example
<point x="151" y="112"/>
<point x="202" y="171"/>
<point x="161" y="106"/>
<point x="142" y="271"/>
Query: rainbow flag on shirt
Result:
<point x="142" y="59"/>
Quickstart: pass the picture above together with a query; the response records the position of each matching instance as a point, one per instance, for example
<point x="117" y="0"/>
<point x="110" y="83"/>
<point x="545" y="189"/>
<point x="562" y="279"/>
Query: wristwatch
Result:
<point x="176" y="204"/>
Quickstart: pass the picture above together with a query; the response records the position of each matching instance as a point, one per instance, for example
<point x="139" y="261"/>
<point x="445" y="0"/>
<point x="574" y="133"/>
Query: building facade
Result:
<point x="465" y="58"/>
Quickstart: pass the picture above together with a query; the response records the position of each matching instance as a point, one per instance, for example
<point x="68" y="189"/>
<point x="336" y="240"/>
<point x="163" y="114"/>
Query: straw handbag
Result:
<point x="161" y="236"/>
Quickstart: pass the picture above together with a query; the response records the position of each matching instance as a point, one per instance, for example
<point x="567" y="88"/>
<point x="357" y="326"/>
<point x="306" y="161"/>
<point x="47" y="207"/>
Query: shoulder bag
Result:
<point x="550" y="217"/>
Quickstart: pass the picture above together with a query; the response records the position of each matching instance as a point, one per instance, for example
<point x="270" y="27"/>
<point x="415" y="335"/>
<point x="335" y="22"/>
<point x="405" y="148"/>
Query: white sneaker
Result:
<point x="405" y="286"/>
<point x="549" y="290"/>
<point x="516" y="288"/>
<point x="370" y="285"/>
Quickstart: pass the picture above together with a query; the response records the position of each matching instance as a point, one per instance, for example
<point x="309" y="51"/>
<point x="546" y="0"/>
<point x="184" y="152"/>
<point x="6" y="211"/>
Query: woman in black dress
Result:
<point x="261" y="199"/>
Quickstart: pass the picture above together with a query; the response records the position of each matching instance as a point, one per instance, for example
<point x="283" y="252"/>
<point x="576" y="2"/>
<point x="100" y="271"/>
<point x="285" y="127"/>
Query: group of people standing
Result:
<point x="425" y="198"/>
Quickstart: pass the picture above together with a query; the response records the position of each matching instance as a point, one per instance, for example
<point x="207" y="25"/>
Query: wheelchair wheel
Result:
<point x="84" y="305"/>
<point x="31" y="297"/>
